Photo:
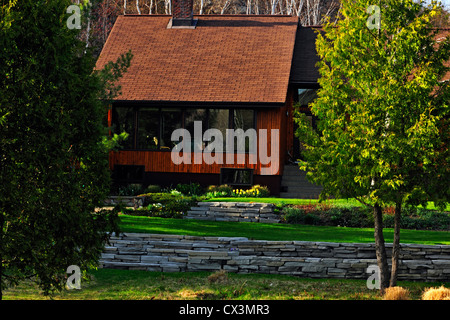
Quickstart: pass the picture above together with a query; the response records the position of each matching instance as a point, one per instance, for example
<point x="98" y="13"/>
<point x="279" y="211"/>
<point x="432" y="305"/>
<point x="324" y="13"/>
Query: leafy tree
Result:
<point x="383" y="113"/>
<point x="53" y="159"/>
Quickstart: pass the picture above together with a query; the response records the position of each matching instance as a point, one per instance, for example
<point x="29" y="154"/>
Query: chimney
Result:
<point x="182" y="14"/>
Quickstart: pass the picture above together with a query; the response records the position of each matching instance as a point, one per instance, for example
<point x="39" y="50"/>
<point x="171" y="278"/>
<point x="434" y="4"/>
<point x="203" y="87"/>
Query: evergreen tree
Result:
<point x="53" y="161"/>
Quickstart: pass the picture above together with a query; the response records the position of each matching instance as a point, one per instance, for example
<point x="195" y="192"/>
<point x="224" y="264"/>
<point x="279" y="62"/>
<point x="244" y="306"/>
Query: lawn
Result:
<point x="262" y="231"/>
<point x="285" y="201"/>
<point x="110" y="284"/>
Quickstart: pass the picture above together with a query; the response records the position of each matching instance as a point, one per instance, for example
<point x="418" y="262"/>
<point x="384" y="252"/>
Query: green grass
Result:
<point x="285" y="201"/>
<point x="262" y="231"/>
<point x="110" y="284"/>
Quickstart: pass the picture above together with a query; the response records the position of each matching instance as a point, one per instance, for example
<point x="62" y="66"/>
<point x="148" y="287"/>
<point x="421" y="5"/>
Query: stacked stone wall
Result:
<point x="234" y="211"/>
<point x="170" y="253"/>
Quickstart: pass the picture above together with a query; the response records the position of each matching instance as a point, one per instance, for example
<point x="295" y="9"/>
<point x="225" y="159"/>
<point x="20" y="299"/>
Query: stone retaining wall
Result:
<point x="128" y="201"/>
<point x="234" y="211"/>
<point x="169" y="253"/>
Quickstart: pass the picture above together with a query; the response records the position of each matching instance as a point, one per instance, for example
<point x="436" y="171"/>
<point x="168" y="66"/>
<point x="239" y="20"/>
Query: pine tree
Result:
<point x="53" y="161"/>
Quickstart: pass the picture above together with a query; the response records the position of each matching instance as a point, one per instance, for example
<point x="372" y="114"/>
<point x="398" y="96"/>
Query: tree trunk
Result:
<point x="396" y="244"/>
<point x="380" y="248"/>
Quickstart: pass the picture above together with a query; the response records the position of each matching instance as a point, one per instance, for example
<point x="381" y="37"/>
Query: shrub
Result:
<point x="219" y="191"/>
<point x="362" y="217"/>
<point x="349" y="217"/>
<point x="130" y="190"/>
<point x="396" y="293"/>
<point x="165" y="205"/>
<point x="255" y="191"/>
<point x="297" y="215"/>
<point x="152" y="189"/>
<point x="440" y="293"/>
<point x="192" y="189"/>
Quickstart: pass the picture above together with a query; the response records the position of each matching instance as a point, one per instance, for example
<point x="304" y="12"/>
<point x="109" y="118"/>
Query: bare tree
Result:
<point x="137" y="7"/>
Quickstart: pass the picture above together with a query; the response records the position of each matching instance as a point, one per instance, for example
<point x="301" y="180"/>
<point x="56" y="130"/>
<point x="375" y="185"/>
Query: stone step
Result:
<point x="233" y="211"/>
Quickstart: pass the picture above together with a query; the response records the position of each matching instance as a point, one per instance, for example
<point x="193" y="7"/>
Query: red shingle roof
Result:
<point x="225" y="59"/>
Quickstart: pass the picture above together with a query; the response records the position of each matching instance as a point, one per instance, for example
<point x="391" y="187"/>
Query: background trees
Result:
<point x="383" y="113"/>
<point x="103" y="13"/>
<point x="53" y="160"/>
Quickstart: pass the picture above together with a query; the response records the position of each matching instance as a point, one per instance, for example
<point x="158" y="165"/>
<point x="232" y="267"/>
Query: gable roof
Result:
<point x="226" y="58"/>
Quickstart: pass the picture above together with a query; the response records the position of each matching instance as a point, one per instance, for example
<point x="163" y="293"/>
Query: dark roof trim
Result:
<point x="303" y="84"/>
<point x="197" y="104"/>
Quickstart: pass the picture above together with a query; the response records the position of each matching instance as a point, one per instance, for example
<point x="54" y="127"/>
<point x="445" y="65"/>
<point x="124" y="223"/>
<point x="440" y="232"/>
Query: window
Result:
<point x="245" y="119"/>
<point x="147" y="129"/>
<point x="151" y="128"/>
<point x="305" y="96"/>
<point x="219" y="119"/>
<point x="236" y="177"/>
<point x="191" y="116"/>
<point x="171" y="119"/>
<point x="123" y="121"/>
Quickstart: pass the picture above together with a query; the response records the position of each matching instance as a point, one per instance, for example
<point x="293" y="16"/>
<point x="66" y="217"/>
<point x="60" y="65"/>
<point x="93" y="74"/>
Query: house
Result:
<point x="202" y="78"/>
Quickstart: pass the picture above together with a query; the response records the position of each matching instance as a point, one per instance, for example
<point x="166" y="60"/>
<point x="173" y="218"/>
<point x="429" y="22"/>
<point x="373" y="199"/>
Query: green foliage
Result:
<point x="219" y="191"/>
<point x="255" y="191"/>
<point x="361" y="217"/>
<point x="191" y="189"/>
<point x="383" y="111"/>
<point x="132" y="189"/>
<point x="164" y="205"/>
<point x="152" y="189"/>
<point x="53" y="156"/>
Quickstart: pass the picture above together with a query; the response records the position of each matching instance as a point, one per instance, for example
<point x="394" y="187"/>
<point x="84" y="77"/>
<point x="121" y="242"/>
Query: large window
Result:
<point x="151" y="128"/>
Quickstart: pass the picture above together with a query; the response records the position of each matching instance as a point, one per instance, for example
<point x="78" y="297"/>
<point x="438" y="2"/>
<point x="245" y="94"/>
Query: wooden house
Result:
<point x="220" y="71"/>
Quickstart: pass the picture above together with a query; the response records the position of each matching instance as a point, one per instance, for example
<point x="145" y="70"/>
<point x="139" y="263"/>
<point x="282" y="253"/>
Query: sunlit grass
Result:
<point x="286" y="201"/>
<point x="277" y="231"/>
<point x="110" y="284"/>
